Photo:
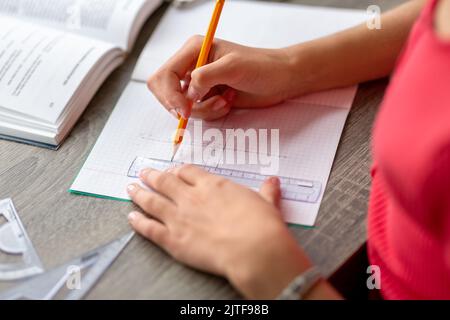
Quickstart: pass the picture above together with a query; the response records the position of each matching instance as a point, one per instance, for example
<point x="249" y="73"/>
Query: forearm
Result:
<point x="354" y="55"/>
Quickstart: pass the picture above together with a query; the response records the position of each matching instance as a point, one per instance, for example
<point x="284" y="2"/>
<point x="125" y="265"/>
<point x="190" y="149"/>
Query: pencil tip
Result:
<point x="175" y="150"/>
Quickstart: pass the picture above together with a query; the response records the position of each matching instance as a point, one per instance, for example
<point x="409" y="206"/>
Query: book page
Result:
<point x="41" y="69"/>
<point x="107" y="20"/>
<point x="140" y="127"/>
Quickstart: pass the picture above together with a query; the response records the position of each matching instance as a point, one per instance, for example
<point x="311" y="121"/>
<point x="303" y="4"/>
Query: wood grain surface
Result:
<point x="63" y="226"/>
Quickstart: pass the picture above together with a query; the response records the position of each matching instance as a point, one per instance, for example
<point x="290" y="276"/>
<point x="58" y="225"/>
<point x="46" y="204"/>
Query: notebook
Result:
<point x="309" y="127"/>
<point x="54" y="55"/>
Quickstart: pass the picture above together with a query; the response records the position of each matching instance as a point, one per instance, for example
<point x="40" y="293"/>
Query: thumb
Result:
<point x="203" y="79"/>
<point x="271" y="191"/>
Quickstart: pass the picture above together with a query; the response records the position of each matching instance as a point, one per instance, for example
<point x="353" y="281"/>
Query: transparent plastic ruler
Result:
<point x="291" y="188"/>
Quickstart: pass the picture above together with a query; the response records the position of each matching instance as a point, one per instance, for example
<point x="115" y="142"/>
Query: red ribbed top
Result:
<point x="409" y="210"/>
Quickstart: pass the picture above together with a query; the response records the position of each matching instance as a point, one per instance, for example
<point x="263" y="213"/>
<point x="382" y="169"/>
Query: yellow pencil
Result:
<point x="202" y="60"/>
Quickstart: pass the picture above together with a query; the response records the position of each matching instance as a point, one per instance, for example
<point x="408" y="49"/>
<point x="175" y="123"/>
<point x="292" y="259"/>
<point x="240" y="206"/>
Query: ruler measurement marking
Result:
<point x="291" y="188"/>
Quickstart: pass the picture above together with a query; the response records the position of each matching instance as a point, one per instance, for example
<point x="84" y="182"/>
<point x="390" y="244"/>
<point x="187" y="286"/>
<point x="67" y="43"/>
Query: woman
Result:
<point x="194" y="215"/>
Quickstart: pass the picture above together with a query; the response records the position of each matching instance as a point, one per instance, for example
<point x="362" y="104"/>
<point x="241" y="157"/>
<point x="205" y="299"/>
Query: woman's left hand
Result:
<point x="217" y="226"/>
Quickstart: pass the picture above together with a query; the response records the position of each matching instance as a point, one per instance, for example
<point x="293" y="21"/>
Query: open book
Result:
<point x="54" y="55"/>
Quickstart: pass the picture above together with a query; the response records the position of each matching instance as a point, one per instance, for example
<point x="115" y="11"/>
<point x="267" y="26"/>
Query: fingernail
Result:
<point x="181" y="113"/>
<point x="132" y="216"/>
<point x="131" y="188"/>
<point x="192" y="94"/>
<point x="175" y="114"/>
<point x="219" y="105"/>
<point x="275" y="181"/>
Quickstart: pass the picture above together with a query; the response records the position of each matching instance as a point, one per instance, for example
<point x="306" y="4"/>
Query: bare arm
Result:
<point x="442" y="20"/>
<point x="354" y="55"/>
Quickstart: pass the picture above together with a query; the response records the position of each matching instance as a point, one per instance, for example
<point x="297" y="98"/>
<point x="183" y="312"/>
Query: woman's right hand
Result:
<point x="236" y="76"/>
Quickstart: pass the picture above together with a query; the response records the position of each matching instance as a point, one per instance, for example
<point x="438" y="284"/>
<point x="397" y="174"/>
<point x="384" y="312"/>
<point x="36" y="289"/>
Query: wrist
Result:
<point x="308" y="67"/>
<point x="267" y="269"/>
<point x="301" y="62"/>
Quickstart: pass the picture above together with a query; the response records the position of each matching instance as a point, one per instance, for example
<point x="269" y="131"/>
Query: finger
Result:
<point x="166" y="82"/>
<point x="190" y="173"/>
<point x="165" y="183"/>
<point x="185" y="83"/>
<point x="175" y="114"/>
<point x="271" y="191"/>
<point x="224" y="71"/>
<point x="184" y="60"/>
<point x="166" y="87"/>
<point x="151" y="202"/>
<point x="215" y="107"/>
<point x="211" y="109"/>
<point x="149" y="228"/>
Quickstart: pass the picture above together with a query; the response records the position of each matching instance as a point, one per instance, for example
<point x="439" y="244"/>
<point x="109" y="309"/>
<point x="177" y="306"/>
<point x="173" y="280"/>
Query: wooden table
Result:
<point x="63" y="226"/>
